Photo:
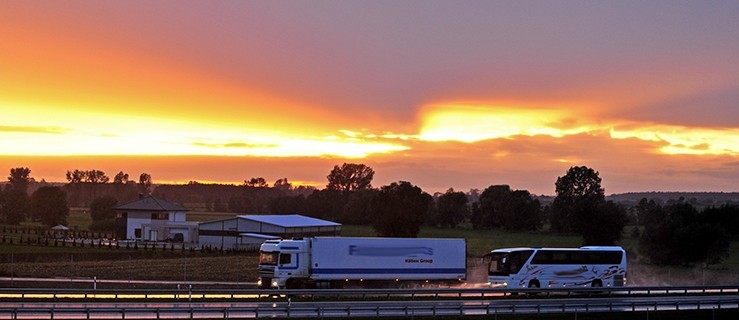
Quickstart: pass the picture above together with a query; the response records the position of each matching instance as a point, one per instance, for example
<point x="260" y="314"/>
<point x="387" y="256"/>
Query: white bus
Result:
<point x="557" y="267"/>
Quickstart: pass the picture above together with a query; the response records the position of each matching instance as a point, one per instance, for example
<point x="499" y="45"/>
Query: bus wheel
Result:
<point x="597" y="284"/>
<point x="534" y="284"/>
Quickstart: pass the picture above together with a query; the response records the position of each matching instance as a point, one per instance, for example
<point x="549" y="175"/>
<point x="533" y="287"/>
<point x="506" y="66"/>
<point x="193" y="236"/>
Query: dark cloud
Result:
<point x="717" y="109"/>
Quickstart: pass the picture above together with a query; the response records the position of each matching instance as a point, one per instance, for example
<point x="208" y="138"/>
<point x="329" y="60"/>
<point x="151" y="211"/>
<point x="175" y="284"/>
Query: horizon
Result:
<point x="295" y="185"/>
<point x="437" y="93"/>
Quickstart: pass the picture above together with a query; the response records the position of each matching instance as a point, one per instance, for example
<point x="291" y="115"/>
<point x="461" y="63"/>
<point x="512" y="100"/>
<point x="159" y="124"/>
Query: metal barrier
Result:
<point x="21" y="294"/>
<point x="377" y="308"/>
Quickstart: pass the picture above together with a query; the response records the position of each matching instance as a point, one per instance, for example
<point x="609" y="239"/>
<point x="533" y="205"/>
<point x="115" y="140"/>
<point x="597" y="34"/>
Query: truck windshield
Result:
<point x="268" y="258"/>
<point x="507" y="263"/>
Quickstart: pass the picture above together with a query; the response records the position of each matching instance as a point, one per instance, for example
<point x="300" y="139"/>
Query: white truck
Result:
<point x="337" y="262"/>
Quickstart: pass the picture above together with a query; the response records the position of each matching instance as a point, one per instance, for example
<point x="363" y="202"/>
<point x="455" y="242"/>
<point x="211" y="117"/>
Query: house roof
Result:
<point x="291" y="220"/>
<point x="151" y="204"/>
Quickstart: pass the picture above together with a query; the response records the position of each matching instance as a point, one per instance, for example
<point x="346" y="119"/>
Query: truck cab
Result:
<point x="281" y="262"/>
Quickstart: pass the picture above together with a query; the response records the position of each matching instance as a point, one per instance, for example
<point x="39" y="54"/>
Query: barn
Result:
<point x="246" y="231"/>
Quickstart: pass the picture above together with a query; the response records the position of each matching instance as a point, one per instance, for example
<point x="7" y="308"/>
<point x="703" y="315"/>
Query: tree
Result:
<point x="15" y="206"/>
<point x="452" y="208"/>
<point x="258" y="182"/>
<point x="578" y="193"/>
<point x="647" y="211"/>
<point x="501" y="207"/>
<point x="102" y="213"/>
<point x="359" y="206"/>
<point x="606" y="224"/>
<point x="400" y="208"/>
<point x="145" y="183"/>
<point x="580" y="207"/>
<point x="101" y="208"/>
<point x="726" y="215"/>
<point x="282" y="184"/>
<point x="350" y="177"/>
<point x="20" y="178"/>
<point x="96" y="176"/>
<point x="683" y="236"/>
<point x="49" y="206"/>
<point x="327" y="204"/>
<point x="120" y="178"/>
<point x="219" y="205"/>
<point x="75" y="176"/>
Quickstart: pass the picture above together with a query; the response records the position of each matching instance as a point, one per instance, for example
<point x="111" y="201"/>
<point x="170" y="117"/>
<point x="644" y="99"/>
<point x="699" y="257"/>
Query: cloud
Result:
<point x="331" y="146"/>
<point x="234" y="145"/>
<point x="716" y="109"/>
<point x="34" y="129"/>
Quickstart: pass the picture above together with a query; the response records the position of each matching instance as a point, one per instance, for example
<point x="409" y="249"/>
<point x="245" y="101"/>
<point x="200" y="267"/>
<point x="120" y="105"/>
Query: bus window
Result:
<point x="503" y="264"/>
<point x="498" y="263"/>
<point x="577" y="257"/>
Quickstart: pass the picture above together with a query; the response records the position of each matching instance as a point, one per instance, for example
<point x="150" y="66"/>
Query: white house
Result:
<point x="248" y="230"/>
<point x="154" y="219"/>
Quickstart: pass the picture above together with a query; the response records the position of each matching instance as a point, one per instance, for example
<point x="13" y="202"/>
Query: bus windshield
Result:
<point x="507" y="263"/>
<point x="268" y="258"/>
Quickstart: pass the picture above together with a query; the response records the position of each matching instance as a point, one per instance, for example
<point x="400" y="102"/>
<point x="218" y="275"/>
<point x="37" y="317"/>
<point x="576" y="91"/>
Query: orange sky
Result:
<point x="441" y="95"/>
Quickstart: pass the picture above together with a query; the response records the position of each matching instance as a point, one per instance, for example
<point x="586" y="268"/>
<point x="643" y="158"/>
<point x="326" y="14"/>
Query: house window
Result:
<point x="121" y="215"/>
<point x="159" y="216"/>
<point x="137" y="233"/>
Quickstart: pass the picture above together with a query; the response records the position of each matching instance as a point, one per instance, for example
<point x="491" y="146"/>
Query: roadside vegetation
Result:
<point x="679" y="241"/>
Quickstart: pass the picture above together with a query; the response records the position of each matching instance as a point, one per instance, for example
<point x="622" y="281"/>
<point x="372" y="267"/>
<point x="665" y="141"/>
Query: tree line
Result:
<point x="399" y="209"/>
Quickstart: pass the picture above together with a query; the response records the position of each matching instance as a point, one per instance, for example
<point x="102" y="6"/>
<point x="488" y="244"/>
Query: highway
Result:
<point x="248" y="304"/>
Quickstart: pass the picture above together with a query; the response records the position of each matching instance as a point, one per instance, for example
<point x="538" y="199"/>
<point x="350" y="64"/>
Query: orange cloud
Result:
<point x="478" y="122"/>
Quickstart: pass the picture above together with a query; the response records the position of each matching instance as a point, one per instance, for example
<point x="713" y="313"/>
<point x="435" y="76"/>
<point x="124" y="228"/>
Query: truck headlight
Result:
<point x="274" y="284"/>
<point x="259" y="283"/>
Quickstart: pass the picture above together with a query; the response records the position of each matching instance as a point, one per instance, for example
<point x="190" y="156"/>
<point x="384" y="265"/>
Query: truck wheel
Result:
<point x="294" y="284"/>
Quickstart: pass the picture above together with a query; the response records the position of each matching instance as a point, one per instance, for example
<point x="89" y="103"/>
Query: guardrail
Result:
<point x="190" y="294"/>
<point x="380" y="309"/>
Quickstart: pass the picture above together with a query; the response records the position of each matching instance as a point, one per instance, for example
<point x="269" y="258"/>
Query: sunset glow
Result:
<point x="470" y="123"/>
<point x="682" y="140"/>
<point x="438" y="94"/>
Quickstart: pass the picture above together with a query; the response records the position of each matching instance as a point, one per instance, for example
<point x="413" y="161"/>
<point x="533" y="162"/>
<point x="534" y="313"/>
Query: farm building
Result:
<point x="244" y="232"/>
<point x="153" y="219"/>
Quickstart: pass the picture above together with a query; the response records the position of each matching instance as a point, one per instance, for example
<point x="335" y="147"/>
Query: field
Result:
<point x="22" y="260"/>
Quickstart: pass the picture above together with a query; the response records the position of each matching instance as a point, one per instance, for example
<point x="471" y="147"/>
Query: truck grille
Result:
<point x="266" y="273"/>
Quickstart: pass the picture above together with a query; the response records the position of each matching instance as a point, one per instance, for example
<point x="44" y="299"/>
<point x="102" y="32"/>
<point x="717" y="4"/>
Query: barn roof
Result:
<point x="151" y="204"/>
<point x="258" y="235"/>
<point x="291" y="220"/>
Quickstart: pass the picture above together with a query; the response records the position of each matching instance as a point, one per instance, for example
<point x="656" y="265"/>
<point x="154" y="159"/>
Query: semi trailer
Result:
<point x="339" y="262"/>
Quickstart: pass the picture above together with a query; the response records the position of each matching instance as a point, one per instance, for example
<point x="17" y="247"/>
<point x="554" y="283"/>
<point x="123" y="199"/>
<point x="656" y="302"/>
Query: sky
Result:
<point x="444" y="94"/>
